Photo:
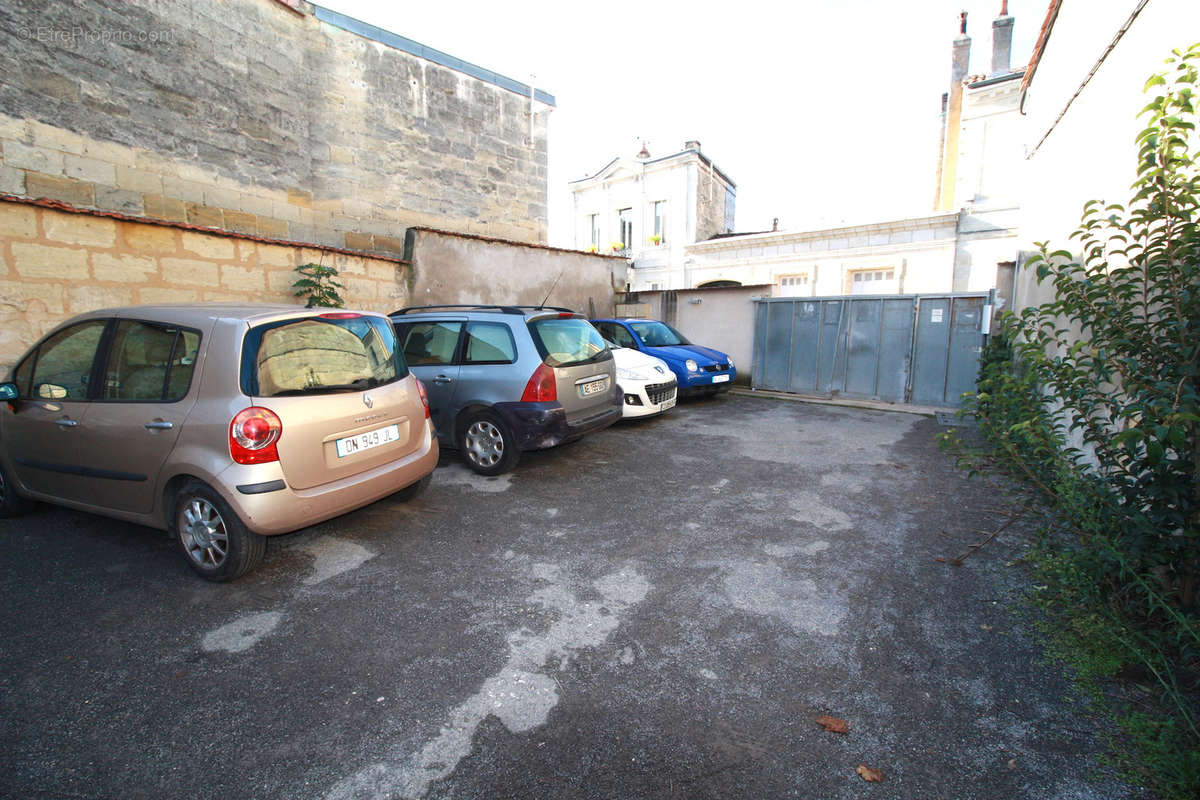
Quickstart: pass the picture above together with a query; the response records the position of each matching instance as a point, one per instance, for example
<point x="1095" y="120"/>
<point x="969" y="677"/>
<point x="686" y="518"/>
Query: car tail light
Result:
<point x="541" y="387"/>
<point x="253" y="434"/>
<point x="340" y="315"/>
<point x="424" y="395"/>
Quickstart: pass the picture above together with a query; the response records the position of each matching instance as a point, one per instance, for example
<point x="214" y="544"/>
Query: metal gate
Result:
<point x="920" y="349"/>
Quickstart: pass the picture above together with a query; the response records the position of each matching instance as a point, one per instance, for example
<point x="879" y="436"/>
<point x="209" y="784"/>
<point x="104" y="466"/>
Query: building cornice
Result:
<point x="772" y="238"/>
<point x="652" y="165"/>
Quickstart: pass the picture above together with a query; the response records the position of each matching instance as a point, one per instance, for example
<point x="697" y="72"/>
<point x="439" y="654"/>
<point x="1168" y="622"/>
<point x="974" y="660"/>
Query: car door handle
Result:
<point x="66" y="423"/>
<point x="442" y="379"/>
<point x="159" y="425"/>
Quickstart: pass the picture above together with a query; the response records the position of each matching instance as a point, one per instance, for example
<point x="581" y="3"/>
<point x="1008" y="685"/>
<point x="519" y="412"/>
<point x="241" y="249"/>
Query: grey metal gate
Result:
<point x="901" y="348"/>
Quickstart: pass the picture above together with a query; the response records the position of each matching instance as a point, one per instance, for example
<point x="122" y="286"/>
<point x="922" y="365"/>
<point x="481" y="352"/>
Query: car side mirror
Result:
<point x="8" y="391"/>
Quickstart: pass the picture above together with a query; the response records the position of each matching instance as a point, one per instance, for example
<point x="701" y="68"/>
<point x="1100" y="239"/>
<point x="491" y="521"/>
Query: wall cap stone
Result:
<point x="496" y="240"/>
<point x="58" y="205"/>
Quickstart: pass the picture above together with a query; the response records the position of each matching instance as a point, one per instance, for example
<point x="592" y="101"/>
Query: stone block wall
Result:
<point x="55" y="264"/>
<point x="249" y="116"/>
<point x="711" y="191"/>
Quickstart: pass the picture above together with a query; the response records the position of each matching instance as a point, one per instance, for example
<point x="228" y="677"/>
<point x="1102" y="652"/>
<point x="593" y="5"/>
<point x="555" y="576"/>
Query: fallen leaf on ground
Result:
<point x="833" y="724"/>
<point x="869" y="775"/>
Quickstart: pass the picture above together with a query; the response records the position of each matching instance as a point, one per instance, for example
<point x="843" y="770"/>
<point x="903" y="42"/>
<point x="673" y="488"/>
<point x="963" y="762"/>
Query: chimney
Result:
<point x="1002" y="31"/>
<point x="692" y="144"/>
<point x="775" y="224"/>
<point x="959" y="59"/>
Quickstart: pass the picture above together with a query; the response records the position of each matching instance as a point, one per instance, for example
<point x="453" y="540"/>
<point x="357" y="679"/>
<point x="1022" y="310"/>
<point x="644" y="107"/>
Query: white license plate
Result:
<point x="593" y="387"/>
<point x="350" y="445"/>
<point x="669" y="404"/>
<point x="720" y="378"/>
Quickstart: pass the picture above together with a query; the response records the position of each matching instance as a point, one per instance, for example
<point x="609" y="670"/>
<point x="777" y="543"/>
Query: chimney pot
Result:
<point x="691" y="144"/>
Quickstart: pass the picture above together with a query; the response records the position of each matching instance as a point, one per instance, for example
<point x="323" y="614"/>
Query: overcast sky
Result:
<point x="821" y="111"/>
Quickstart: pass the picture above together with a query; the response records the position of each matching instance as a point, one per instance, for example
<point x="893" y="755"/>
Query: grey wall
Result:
<point x="456" y="268"/>
<point x="719" y="318"/>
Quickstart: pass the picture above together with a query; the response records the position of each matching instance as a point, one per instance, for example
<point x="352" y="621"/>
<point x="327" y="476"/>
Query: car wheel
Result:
<point x="215" y="542"/>
<point x="486" y="444"/>
<point x="11" y="503"/>
<point x="414" y="490"/>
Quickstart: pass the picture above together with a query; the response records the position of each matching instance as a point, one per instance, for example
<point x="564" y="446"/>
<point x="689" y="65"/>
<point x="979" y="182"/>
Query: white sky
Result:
<point x="821" y="111"/>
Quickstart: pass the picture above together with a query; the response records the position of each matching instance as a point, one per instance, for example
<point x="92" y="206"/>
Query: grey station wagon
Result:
<point x="220" y="423"/>
<point x="503" y="379"/>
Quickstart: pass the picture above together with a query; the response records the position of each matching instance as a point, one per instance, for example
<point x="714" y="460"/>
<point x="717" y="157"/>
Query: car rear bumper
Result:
<point x="536" y="426"/>
<point x="267" y="505"/>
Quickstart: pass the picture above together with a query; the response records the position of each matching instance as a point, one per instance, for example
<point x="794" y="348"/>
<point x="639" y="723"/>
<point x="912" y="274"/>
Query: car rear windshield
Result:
<point x="658" y="334"/>
<point x="567" y="342"/>
<point x="320" y="355"/>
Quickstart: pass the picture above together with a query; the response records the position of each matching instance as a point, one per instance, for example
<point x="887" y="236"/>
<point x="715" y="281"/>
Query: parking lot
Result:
<point x="660" y="610"/>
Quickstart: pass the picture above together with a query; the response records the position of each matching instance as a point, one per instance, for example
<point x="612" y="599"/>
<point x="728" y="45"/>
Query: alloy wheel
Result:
<point x="485" y="443"/>
<point x="202" y="531"/>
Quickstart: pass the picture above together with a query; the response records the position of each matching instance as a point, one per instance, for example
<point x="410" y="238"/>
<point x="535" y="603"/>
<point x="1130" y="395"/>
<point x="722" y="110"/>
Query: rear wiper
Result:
<point x="354" y="386"/>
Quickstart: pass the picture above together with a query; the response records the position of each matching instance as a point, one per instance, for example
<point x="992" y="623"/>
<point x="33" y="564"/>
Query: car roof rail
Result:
<point x="478" y="307"/>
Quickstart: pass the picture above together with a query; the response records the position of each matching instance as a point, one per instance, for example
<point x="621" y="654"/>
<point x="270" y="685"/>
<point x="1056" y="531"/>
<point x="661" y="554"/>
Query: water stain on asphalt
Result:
<point x="790" y="550"/>
<point x="458" y="475"/>
<point x="521" y="694"/>
<point x="243" y="633"/>
<point x="765" y="590"/>
<point x="333" y="556"/>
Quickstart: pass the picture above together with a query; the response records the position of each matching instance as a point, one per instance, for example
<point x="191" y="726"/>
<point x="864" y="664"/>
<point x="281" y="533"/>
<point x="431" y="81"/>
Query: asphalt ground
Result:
<point x="662" y="610"/>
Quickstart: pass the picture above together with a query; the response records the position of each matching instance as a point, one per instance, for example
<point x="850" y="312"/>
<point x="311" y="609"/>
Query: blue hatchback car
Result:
<point x="699" y="370"/>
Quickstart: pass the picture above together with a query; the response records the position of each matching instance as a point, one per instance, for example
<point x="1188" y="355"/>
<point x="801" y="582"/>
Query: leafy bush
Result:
<point x="1094" y="398"/>
<point x="319" y="284"/>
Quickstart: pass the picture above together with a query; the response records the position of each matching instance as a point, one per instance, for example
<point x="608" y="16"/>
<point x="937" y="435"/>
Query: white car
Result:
<point x="647" y="383"/>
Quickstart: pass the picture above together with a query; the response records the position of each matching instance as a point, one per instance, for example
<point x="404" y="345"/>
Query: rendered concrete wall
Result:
<point x="55" y="264"/>
<point x="457" y="268"/>
<point x="719" y="318"/>
<point x="248" y="116"/>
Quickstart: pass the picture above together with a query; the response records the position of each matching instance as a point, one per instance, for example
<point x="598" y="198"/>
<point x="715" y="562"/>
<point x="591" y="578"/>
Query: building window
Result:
<point x="594" y="227"/>
<point x="660" y="223"/>
<point x="873" y="281"/>
<point x="625" y="226"/>
<point x="730" y="199"/>
<point x="793" y="285"/>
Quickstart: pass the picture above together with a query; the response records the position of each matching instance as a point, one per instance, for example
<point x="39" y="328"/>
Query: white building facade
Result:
<point x="967" y="243"/>
<point x="649" y="209"/>
<point x="1082" y="99"/>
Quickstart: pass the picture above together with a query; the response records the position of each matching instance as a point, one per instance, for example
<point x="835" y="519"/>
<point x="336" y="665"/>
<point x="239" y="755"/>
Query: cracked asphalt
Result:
<point x="661" y="610"/>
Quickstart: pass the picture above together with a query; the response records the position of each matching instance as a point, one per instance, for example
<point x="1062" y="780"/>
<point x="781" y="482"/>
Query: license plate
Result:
<point x="669" y="404"/>
<point x="720" y="378"/>
<point x="350" y="445"/>
<point x="593" y="387"/>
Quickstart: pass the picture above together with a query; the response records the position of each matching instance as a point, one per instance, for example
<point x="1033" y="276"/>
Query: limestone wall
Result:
<point x="252" y="117"/>
<point x="55" y="264"/>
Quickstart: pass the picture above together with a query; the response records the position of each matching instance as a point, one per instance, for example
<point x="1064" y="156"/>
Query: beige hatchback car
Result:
<point x="222" y="424"/>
